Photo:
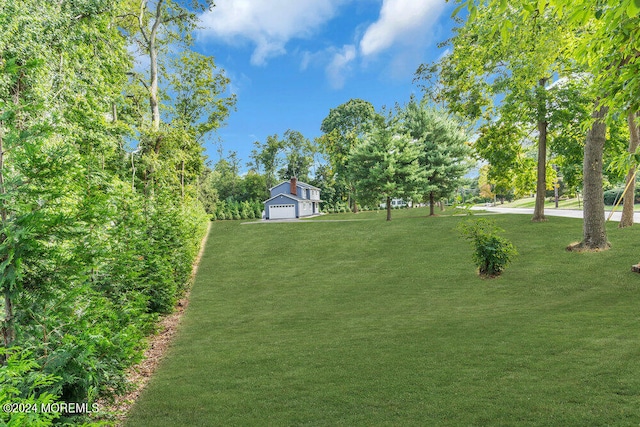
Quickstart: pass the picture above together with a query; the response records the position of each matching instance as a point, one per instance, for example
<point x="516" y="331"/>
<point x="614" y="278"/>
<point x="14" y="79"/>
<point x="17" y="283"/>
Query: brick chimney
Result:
<point x="293" y="185"/>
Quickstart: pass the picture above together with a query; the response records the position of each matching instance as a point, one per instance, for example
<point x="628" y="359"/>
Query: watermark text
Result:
<point x="71" y="408"/>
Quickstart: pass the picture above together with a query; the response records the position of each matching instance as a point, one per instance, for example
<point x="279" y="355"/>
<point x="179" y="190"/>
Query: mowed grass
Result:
<point x="373" y="323"/>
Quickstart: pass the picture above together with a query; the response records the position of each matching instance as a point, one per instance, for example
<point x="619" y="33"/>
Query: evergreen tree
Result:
<point x="386" y="165"/>
<point x="444" y="149"/>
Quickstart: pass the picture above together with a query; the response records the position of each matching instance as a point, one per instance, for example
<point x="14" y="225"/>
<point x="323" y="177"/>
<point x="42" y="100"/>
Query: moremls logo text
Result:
<point x="70" y="408"/>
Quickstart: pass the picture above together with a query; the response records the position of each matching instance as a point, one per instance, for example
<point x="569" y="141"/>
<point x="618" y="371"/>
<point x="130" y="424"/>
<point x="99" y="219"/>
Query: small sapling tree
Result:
<point x="491" y="252"/>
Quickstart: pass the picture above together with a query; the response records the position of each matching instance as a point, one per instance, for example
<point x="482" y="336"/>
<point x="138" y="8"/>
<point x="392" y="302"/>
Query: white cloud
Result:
<point x="401" y="21"/>
<point x="269" y="24"/>
<point x="237" y="82"/>
<point x="310" y="59"/>
<point x="339" y="67"/>
<point x="336" y="62"/>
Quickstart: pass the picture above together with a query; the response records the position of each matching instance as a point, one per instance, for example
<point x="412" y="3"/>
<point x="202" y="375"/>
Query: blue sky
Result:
<point x="291" y="61"/>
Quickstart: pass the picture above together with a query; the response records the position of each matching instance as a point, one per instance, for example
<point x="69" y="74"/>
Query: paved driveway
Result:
<point x="569" y="213"/>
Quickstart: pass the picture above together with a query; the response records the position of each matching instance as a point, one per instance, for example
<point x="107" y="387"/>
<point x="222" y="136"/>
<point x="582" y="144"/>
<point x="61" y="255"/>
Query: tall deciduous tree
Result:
<point x="500" y="143"/>
<point x="198" y="106"/>
<point x="267" y="157"/>
<point x="594" y="231"/>
<point x="444" y="149"/>
<point x="343" y="128"/>
<point x="386" y="165"/>
<point x="299" y="153"/>
<point x="226" y="178"/>
<point x="609" y="52"/>
<point x="154" y="26"/>
<point x="496" y="53"/>
<point x="626" y="219"/>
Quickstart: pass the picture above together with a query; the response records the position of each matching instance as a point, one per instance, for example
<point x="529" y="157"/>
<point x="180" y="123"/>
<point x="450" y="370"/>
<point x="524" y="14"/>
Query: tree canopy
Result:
<point x="343" y="128"/>
<point x="443" y="149"/>
<point x="385" y="165"/>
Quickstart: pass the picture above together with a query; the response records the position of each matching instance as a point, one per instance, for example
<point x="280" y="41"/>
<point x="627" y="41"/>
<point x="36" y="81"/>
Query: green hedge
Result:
<point x="612" y="196"/>
<point x="234" y="210"/>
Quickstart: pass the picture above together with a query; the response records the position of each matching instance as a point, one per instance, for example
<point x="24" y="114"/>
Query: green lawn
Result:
<point x="375" y="323"/>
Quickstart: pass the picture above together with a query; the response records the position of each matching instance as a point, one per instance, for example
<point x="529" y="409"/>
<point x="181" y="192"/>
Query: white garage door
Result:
<point x="282" y="211"/>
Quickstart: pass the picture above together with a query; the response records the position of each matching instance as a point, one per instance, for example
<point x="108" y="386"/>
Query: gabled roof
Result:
<point x="305" y="185"/>
<point x="290" y="196"/>
<point x="298" y="184"/>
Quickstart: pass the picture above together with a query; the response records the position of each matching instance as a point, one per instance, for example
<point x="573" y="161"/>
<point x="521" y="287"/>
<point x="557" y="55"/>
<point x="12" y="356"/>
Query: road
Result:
<point x="568" y="213"/>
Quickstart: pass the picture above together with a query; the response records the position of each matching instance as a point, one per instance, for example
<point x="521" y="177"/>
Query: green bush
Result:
<point x="492" y="253"/>
<point x="257" y="209"/>
<point x="24" y="383"/>
<point x="611" y="197"/>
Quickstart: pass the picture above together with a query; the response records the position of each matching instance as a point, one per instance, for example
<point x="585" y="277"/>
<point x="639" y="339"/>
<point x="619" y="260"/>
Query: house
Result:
<point x="396" y="203"/>
<point x="292" y="199"/>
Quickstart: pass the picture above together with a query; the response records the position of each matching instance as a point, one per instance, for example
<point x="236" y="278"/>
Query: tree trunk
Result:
<point x="431" y="204"/>
<point x="627" y="208"/>
<point x="594" y="231"/>
<point x="388" y="208"/>
<point x="8" y="330"/>
<point x="153" y="71"/>
<point x="133" y="175"/>
<point x="355" y="203"/>
<point x="541" y="186"/>
<point x="150" y="39"/>
<point x="182" y="180"/>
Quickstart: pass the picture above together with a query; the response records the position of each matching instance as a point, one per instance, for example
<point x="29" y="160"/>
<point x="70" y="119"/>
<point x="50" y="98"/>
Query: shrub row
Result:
<point x="611" y="197"/>
<point x="90" y="300"/>
<point x="343" y="208"/>
<point x="229" y="210"/>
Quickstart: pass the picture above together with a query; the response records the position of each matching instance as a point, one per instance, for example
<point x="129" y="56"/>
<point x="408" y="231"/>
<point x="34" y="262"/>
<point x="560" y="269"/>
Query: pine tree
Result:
<point x="443" y="148"/>
<point x="385" y="165"/>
